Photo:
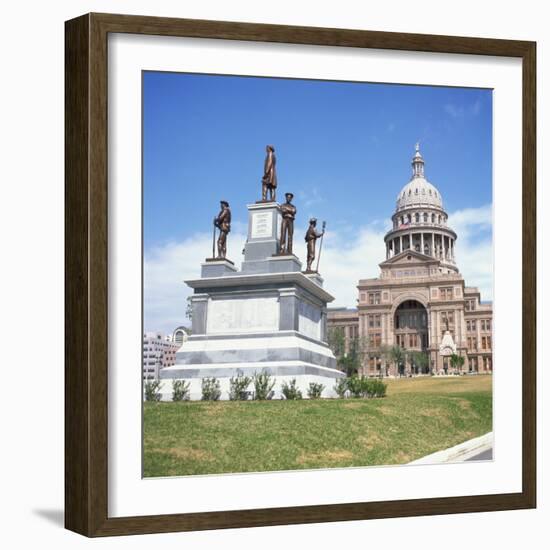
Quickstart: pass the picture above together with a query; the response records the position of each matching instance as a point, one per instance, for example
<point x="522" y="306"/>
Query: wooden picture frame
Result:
<point x="86" y="282"/>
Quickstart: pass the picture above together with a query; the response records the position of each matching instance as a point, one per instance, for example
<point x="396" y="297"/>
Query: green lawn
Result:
<point x="419" y="416"/>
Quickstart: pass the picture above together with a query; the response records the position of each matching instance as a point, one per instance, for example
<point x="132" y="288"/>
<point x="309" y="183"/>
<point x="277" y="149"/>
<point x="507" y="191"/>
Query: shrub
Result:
<point x="238" y="387"/>
<point x="180" y="390"/>
<point x="151" y="390"/>
<point x="315" y="390"/>
<point x="341" y="387"/>
<point x="366" y="387"/>
<point x="356" y="386"/>
<point x="290" y="391"/>
<point x="210" y="389"/>
<point x="376" y="388"/>
<point x="263" y="386"/>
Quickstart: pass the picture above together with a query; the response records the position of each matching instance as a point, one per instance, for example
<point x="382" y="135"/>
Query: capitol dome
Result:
<point x="419" y="222"/>
<point x="419" y="191"/>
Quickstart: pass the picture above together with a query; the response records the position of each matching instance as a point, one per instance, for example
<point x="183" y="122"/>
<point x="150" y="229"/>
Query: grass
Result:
<point x="419" y="416"/>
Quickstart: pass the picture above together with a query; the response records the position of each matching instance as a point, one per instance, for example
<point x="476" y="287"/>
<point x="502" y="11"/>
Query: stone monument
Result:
<point x="268" y="316"/>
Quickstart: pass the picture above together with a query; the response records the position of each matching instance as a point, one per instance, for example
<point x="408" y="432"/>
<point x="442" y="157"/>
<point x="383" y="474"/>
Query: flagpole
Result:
<point x="320" y="247"/>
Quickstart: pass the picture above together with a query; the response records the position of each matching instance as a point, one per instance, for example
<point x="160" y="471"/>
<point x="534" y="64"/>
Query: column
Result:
<point x="433" y="328"/>
<point x="478" y="334"/>
<point x="288" y="310"/>
<point x="422" y="243"/>
<point x="433" y="244"/>
<point x="324" y="334"/>
<point x="401" y="243"/>
<point x="199" y="304"/>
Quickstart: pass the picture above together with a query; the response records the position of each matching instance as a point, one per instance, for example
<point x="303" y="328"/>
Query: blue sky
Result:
<point x="343" y="149"/>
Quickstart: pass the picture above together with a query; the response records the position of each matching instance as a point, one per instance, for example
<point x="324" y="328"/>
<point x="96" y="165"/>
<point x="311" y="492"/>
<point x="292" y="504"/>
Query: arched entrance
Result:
<point x="411" y="334"/>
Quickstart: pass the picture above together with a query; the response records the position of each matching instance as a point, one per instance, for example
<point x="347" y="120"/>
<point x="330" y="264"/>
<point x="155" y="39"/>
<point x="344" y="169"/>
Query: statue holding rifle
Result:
<point x="311" y="238"/>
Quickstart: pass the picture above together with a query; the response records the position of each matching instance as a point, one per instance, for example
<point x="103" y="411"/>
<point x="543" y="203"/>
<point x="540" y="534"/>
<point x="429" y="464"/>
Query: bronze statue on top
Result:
<point x="269" y="179"/>
<point x="311" y="239"/>
<point x="223" y="223"/>
<point x="288" y="213"/>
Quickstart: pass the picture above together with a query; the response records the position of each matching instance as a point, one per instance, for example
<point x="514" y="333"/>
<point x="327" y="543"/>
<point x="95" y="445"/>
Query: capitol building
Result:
<point x="420" y="301"/>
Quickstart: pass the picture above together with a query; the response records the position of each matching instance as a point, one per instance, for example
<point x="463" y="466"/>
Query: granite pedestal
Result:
<point x="267" y="317"/>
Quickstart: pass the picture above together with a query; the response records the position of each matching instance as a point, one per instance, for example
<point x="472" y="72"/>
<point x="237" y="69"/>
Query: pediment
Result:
<point x="409" y="257"/>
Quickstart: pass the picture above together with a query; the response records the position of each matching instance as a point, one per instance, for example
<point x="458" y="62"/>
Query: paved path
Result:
<point x="485" y="455"/>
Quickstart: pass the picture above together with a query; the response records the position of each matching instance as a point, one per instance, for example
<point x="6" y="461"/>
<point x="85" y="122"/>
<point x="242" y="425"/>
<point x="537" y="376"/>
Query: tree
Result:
<point x="457" y="361"/>
<point x="419" y="359"/>
<point x="336" y="340"/>
<point x="189" y="309"/>
<point x="396" y="355"/>
<point x="350" y="352"/>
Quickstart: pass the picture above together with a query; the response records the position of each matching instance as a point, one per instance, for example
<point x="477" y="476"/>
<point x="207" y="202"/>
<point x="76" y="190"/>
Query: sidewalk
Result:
<point x="468" y="450"/>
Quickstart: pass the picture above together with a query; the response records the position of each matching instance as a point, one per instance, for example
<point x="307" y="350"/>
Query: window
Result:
<point x="425" y="217"/>
<point x="433" y="215"/>
<point x="375" y="321"/>
<point x="485" y="324"/>
<point x="374" y="298"/>
<point x="446" y="293"/>
<point x="417" y="218"/>
<point x="447" y="317"/>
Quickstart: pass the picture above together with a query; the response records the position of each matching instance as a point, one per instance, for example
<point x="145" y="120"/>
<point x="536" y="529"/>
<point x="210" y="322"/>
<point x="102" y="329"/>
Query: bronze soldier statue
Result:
<point x="311" y="239"/>
<point x="269" y="179"/>
<point x="223" y="223"/>
<point x="288" y="212"/>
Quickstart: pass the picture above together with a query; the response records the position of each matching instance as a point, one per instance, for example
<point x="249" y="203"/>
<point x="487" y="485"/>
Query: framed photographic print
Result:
<point x="299" y="275"/>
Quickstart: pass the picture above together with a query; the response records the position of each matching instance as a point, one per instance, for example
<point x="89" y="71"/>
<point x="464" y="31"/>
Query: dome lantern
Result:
<point x="419" y="192"/>
<point x="418" y="163"/>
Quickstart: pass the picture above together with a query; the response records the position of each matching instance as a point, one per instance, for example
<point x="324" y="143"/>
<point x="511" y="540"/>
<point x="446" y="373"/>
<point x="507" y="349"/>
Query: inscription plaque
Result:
<point x="262" y="225"/>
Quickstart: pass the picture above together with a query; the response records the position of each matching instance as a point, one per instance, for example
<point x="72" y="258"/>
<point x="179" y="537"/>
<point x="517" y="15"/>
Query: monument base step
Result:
<point x="302" y="372"/>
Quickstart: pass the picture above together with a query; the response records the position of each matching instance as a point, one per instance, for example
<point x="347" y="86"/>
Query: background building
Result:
<point x="158" y="352"/>
<point x="180" y="335"/>
<point x="420" y="301"/>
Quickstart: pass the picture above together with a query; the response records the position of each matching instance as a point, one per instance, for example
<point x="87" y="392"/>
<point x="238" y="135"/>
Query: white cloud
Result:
<point x="311" y="197"/>
<point x="348" y="254"/>
<point x="454" y="111"/>
<point x="166" y="267"/>
<point x="474" y="247"/>
<point x="346" y="258"/>
<point x="461" y="111"/>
